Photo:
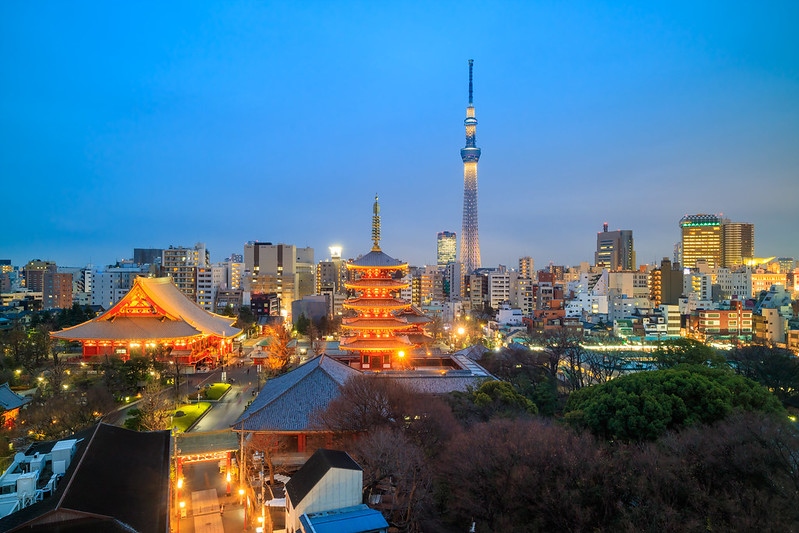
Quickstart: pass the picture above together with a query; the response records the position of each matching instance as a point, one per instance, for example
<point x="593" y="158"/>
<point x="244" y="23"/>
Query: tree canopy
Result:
<point x="645" y="405"/>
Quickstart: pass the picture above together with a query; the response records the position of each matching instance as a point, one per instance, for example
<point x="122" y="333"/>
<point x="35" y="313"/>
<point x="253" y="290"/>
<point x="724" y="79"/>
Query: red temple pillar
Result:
<point x="301" y="443"/>
<point x="227" y="473"/>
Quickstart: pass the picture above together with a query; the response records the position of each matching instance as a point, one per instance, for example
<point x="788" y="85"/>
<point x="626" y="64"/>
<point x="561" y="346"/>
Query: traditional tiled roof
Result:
<point x="9" y="399"/>
<point x="367" y="303"/>
<point x="375" y="344"/>
<point x="287" y="402"/>
<point x="372" y="283"/>
<point x="373" y="323"/>
<point x="129" y="328"/>
<point x="178" y="315"/>
<point x="376" y="259"/>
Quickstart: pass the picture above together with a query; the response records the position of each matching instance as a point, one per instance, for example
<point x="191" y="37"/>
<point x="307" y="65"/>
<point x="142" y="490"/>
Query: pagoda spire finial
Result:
<point x="376" y="226"/>
<point x="471" y="63"/>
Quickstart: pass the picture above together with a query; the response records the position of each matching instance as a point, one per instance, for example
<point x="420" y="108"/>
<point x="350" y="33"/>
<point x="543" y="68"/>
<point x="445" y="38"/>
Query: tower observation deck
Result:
<point x="470" y="240"/>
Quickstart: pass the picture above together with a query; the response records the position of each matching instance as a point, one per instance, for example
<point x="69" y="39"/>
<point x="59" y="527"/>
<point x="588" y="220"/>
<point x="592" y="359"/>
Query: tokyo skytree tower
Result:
<point x="470" y="241"/>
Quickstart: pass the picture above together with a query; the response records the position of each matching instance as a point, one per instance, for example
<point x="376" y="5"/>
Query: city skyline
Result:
<point x="138" y="127"/>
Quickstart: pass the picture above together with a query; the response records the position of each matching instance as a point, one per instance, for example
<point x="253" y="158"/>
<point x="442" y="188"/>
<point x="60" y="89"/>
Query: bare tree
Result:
<point x="396" y="469"/>
<point x="365" y="402"/>
<point x="154" y="411"/>
<point x="603" y="366"/>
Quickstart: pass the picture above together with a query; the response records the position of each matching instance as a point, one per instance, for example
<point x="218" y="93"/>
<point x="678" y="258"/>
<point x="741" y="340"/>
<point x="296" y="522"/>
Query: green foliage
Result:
<point x="493" y="399"/>
<point x="246" y="318"/>
<point x="302" y="325"/>
<point x="685" y="352"/>
<point x="645" y="405"/>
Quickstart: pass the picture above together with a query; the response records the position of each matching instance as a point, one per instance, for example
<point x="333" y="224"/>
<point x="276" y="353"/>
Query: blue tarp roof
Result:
<point x="357" y="519"/>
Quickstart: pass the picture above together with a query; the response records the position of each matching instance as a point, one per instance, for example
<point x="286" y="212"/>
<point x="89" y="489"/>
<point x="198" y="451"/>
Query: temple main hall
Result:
<point x="154" y="313"/>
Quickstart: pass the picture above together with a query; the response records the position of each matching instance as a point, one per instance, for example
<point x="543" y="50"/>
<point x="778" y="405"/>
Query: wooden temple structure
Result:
<point x="386" y="331"/>
<point x="153" y="314"/>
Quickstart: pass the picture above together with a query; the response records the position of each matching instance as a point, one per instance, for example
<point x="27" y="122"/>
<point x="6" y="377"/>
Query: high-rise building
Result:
<point x="283" y="269"/>
<point x="702" y="239"/>
<point x="738" y="240"/>
<point x="34" y="273"/>
<point x="182" y="264"/>
<point x="614" y="249"/>
<point x="446" y="248"/>
<point x="147" y="256"/>
<point x="666" y="283"/>
<point x="470" y="241"/>
<point x="526" y="268"/>
<point x="56" y="290"/>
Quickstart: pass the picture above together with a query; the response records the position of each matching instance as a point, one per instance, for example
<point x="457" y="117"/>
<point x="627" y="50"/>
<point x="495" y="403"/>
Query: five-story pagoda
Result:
<point x="375" y="333"/>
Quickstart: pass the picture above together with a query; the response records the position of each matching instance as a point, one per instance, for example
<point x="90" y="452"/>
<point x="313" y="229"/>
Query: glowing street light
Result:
<point x="461" y="331"/>
<point x="401" y="354"/>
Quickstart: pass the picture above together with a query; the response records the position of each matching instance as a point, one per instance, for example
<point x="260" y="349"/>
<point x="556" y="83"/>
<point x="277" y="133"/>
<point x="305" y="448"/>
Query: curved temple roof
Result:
<point x="154" y="308"/>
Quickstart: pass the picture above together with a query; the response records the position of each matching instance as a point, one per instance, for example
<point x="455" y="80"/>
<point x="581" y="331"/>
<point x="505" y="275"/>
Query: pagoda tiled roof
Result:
<point x="375" y="344"/>
<point x="366" y="303"/>
<point x="375" y="283"/>
<point x="376" y="259"/>
<point x="177" y="314"/>
<point x="374" y="323"/>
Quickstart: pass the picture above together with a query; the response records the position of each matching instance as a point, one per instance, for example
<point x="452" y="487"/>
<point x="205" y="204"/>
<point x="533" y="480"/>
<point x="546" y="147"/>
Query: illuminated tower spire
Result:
<point x="470" y="241"/>
<point x="376" y="226"/>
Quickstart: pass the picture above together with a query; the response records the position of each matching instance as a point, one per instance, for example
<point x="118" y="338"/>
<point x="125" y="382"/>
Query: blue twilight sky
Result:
<point x="145" y="124"/>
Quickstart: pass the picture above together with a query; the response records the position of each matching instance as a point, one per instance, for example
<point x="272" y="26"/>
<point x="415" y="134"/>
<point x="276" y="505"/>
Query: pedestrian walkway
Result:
<point x="209" y="523"/>
<point x="207" y="515"/>
<point x="204" y="502"/>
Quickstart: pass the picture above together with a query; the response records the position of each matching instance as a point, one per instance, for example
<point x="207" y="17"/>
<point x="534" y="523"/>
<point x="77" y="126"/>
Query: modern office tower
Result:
<point x="283" y="269"/>
<point x="526" y="268"/>
<point x="182" y="264"/>
<point x="614" y="249"/>
<point x="446" y="248"/>
<point x="147" y="256"/>
<point x="501" y="286"/>
<point x="738" y="241"/>
<point x="34" y="273"/>
<point x="470" y="241"/>
<point x="787" y="264"/>
<point x="702" y="239"/>
<point x="666" y="283"/>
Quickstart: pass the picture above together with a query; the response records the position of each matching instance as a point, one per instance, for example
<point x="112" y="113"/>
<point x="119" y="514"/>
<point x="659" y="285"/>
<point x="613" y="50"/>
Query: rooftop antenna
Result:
<point x="471" y="64"/>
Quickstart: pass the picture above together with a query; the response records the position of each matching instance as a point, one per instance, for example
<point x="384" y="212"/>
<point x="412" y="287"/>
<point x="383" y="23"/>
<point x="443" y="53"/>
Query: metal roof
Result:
<point x="354" y="519"/>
